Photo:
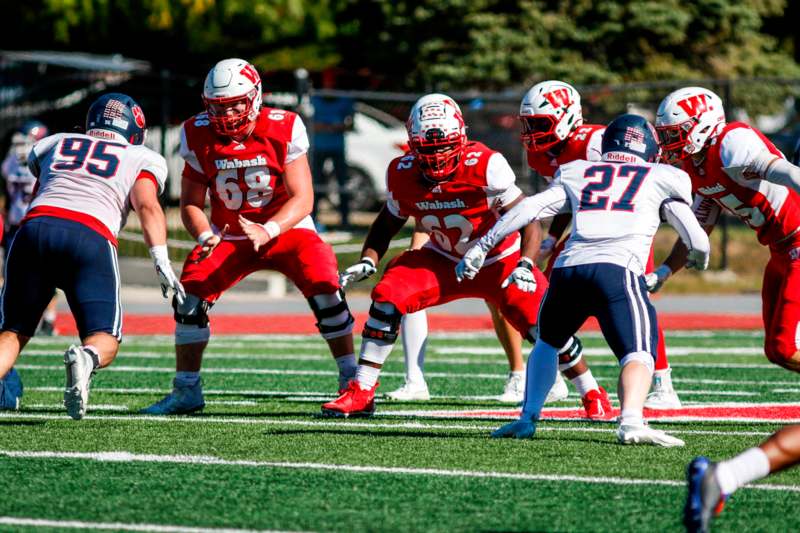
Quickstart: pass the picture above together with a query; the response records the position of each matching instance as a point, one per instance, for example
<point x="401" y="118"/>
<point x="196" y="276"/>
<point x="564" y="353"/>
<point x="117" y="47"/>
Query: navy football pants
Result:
<point x="49" y="253"/>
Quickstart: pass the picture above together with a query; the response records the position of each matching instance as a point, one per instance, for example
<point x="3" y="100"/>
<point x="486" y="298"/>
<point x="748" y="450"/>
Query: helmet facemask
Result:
<point x="233" y="116"/>
<point x="438" y="156"/>
<point x="539" y="132"/>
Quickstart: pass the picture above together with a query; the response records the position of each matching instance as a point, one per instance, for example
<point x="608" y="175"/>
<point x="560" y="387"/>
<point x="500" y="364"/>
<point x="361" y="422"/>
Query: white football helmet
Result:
<point x="437" y="135"/>
<point x="549" y="112"/>
<point x="687" y="120"/>
<point x="230" y="83"/>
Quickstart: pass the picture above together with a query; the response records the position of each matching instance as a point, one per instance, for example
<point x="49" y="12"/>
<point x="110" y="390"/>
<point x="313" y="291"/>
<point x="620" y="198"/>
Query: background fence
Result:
<point x="56" y="88"/>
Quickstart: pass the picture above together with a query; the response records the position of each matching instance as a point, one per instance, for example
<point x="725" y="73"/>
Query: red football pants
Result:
<point x="298" y="254"/>
<point x="417" y="279"/>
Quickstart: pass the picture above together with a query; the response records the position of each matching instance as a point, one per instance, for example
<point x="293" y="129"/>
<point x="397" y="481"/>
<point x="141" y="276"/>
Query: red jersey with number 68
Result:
<point x="243" y="177"/>
<point x="460" y="210"/>
<point x="583" y="143"/>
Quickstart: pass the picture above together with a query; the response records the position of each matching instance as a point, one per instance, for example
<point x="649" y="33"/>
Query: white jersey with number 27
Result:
<point x="616" y="209"/>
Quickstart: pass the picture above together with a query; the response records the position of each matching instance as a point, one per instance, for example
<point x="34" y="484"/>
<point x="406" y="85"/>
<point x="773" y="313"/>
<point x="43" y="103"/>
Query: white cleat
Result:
<point x="411" y="391"/>
<point x="514" y="389"/>
<point x="644" y="434"/>
<point x="80" y="369"/>
<point x="559" y="391"/>
<point x="662" y="396"/>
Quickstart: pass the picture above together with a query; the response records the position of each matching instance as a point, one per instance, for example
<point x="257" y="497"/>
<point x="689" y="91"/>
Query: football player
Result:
<point x="617" y="204"/>
<point x="86" y="185"/>
<point x="710" y="484"/>
<point x="253" y="163"/>
<point x="456" y="189"/>
<point x="553" y="134"/>
<point x="722" y="158"/>
<point x="19" y="185"/>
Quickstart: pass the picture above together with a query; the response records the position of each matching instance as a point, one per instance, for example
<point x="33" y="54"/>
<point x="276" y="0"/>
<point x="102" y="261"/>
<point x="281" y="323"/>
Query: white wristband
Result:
<point x="368" y="260"/>
<point x="273" y="229"/>
<point x="203" y="237"/>
<point x="159" y="253"/>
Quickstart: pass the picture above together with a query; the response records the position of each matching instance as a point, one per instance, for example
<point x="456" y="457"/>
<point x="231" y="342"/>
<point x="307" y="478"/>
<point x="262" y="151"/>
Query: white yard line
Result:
<point x="672" y="351"/>
<point x="98" y="407"/>
<point x="204" y="460"/>
<point x="479" y="424"/>
<point x="118" y="526"/>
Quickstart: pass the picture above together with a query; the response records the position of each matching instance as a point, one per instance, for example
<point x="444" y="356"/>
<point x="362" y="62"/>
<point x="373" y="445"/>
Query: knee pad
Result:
<point x="333" y="315"/>
<point x="192" y="312"/>
<point x="383" y="323"/>
<point x="646" y="358"/>
<point x="570" y="355"/>
<point x="190" y="334"/>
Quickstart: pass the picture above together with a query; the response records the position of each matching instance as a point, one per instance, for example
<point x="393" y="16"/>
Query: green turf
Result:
<point x="264" y="395"/>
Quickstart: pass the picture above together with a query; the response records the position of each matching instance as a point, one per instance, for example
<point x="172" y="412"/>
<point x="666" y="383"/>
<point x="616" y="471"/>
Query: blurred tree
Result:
<point x="494" y="43"/>
<point x="425" y="44"/>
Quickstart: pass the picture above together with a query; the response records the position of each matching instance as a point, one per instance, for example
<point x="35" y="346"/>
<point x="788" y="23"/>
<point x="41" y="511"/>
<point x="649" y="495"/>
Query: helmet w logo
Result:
<point x="559" y="98"/>
<point x="694" y="105"/>
<point x="250" y="73"/>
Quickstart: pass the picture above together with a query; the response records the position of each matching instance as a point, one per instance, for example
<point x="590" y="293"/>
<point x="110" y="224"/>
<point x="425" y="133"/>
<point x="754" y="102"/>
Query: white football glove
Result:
<point x="470" y="264"/>
<point x="166" y="276"/>
<point x="697" y="259"/>
<point x="654" y="280"/>
<point x="546" y="249"/>
<point x="360" y="271"/>
<point x="522" y="276"/>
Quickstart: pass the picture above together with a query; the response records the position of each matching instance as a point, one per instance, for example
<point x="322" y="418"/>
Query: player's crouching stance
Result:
<point x="252" y="162"/>
<point x="617" y="205"/>
<point x="67" y="240"/>
<point x="456" y="189"/>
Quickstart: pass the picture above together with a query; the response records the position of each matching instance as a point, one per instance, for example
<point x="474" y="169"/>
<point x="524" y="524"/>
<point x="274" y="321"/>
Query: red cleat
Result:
<point x="597" y="405"/>
<point x="353" y="402"/>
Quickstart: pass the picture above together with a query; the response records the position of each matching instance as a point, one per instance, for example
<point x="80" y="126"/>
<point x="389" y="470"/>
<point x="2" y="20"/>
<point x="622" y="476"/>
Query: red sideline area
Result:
<point x="304" y="323"/>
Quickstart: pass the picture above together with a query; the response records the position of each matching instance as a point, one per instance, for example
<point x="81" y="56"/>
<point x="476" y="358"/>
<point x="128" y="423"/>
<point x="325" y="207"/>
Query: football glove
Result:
<point x="522" y="276"/>
<point x="697" y="259"/>
<point x="654" y="280"/>
<point x="360" y="271"/>
<point x="519" y="429"/>
<point x="546" y="249"/>
<point x="470" y="264"/>
<point x="166" y="276"/>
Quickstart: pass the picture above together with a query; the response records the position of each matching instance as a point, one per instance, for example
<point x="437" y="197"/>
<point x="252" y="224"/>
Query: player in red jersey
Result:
<point x="693" y="132"/>
<point x="252" y="162"/>
<point x="554" y="134"/>
<point x="456" y="190"/>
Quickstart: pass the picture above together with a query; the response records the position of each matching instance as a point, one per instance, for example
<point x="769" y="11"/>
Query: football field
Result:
<point x="260" y="458"/>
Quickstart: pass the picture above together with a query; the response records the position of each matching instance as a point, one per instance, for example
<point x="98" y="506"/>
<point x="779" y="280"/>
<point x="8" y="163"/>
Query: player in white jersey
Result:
<point x="19" y="185"/>
<point x="617" y="205"/>
<point x="86" y="185"/>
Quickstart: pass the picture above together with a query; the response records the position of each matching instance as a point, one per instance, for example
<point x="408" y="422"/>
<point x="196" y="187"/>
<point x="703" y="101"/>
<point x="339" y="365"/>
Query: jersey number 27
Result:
<point x="592" y="200"/>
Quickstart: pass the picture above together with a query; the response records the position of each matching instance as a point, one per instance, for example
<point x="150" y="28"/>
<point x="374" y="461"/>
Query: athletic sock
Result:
<point x="93" y="353"/>
<point x="186" y="379"/>
<point x="631" y="417"/>
<point x="541" y="374"/>
<point x="414" y="334"/>
<point x="584" y="383"/>
<point x="347" y="366"/>
<point x="367" y="376"/>
<point x="745" y="468"/>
